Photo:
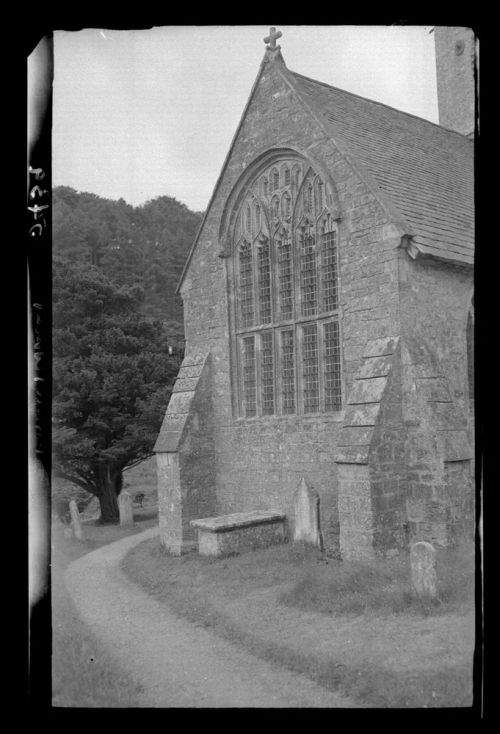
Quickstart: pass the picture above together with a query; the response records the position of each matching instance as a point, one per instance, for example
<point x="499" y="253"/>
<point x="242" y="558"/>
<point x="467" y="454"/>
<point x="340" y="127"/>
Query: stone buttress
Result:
<point x="185" y="456"/>
<point x="403" y="455"/>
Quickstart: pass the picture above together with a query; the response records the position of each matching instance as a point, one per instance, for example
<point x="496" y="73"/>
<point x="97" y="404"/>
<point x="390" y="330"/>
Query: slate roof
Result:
<point x="425" y="170"/>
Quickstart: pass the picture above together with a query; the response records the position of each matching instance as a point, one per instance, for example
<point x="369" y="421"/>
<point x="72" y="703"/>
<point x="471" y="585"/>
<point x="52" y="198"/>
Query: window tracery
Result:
<point x="286" y="295"/>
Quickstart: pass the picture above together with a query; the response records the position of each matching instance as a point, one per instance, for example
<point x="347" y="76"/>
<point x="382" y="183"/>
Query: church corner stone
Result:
<point x="306" y="515"/>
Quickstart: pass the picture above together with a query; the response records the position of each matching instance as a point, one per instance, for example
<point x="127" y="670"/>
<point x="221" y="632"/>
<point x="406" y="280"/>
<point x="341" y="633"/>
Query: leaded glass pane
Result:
<point x="329" y="272"/>
<point x="308" y="277"/>
<point x="249" y="378"/>
<point x="310" y="369"/>
<point x="285" y="278"/>
<point x="246" y="286"/>
<point x="287" y="372"/>
<point x="333" y="393"/>
<point x="267" y="373"/>
<point x="264" y="269"/>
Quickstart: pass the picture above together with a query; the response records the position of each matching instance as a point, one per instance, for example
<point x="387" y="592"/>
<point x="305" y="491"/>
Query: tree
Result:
<point x="146" y="245"/>
<point x="112" y="379"/>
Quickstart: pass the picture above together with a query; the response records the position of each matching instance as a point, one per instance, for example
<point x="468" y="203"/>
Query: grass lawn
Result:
<point x="83" y="675"/>
<point x="348" y="626"/>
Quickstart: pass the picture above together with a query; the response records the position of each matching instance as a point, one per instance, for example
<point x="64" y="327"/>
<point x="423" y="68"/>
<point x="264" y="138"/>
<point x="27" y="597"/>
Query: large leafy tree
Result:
<point x="112" y="378"/>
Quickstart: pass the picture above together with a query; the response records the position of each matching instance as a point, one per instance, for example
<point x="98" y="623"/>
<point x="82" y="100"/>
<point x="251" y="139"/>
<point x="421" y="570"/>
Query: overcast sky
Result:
<point x="140" y="114"/>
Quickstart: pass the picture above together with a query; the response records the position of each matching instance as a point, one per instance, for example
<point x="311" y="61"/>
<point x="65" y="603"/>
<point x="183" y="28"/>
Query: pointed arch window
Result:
<point x="287" y="331"/>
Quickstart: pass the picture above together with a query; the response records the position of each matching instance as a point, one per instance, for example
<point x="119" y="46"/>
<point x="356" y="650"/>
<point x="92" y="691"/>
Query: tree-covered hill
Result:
<point x="143" y="246"/>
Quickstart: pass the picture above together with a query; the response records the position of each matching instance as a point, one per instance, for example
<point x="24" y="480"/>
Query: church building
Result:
<point x="328" y="308"/>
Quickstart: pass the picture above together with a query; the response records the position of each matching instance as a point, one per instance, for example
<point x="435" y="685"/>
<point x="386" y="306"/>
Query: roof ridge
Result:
<point x="382" y="104"/>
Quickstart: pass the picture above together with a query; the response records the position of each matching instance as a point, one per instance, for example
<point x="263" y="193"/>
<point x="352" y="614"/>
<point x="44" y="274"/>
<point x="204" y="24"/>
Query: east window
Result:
<point x="286" y="295"/>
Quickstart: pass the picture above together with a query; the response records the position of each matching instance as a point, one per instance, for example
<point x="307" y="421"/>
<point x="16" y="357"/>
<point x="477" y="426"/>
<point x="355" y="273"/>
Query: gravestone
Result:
<point x="306" y="505"/>
<point x="75" y="521"/>
<point x="126" y="509"/>
<point x="68" y="532"/>
<point x="423" y="569"/>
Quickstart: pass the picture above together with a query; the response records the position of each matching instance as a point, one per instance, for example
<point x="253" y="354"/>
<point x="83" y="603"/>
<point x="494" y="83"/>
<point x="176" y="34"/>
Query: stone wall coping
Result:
<point x="224" y="523"/>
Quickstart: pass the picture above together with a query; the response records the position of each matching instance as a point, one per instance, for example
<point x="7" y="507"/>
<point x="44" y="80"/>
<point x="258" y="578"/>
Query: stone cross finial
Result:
<point x="271" y="39"/>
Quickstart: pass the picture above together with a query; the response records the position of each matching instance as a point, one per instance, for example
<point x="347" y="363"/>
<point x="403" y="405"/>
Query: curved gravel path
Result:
<point x="178" y="663"/>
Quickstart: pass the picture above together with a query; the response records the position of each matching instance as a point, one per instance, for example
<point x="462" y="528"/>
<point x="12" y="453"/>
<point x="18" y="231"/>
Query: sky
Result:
<point x="144" y="113"/>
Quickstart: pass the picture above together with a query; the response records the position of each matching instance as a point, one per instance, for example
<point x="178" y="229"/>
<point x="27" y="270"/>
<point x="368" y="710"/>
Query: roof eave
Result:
<point x="420" y="253"/>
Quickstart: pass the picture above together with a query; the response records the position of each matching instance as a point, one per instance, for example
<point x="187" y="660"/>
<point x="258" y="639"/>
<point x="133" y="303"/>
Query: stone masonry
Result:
<point x="393" y="466"/>
<point x="185" y="456"/>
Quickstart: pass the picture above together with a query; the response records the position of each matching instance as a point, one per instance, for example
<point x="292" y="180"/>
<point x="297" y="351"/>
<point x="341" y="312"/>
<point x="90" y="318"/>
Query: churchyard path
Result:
<point x="178" y="663"/>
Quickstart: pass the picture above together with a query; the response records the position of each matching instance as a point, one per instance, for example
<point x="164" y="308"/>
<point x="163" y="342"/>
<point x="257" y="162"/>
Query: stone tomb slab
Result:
<point x="229" y="535"/>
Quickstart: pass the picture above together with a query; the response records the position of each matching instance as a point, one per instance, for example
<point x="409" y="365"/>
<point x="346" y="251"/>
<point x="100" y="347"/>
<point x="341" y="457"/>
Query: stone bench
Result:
<point x="229" y="535"/>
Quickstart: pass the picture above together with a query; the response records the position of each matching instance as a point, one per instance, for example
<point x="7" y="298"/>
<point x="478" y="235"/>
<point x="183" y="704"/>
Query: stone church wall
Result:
<point x="435" y="298"/>
<point x="259" y="461"/>
<point x="387" y="467"/>
<point x="395" y="469"/>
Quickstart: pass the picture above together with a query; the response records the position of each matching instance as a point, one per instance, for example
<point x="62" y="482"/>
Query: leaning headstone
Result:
<point x="306" y="503"/>
<point x="126" y="509"/>
<point x="423" y="569"/>
<point x="75" y="521"/>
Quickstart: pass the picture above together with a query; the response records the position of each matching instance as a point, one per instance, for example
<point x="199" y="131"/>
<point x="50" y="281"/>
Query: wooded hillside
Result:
<point x="144" y="246"/>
